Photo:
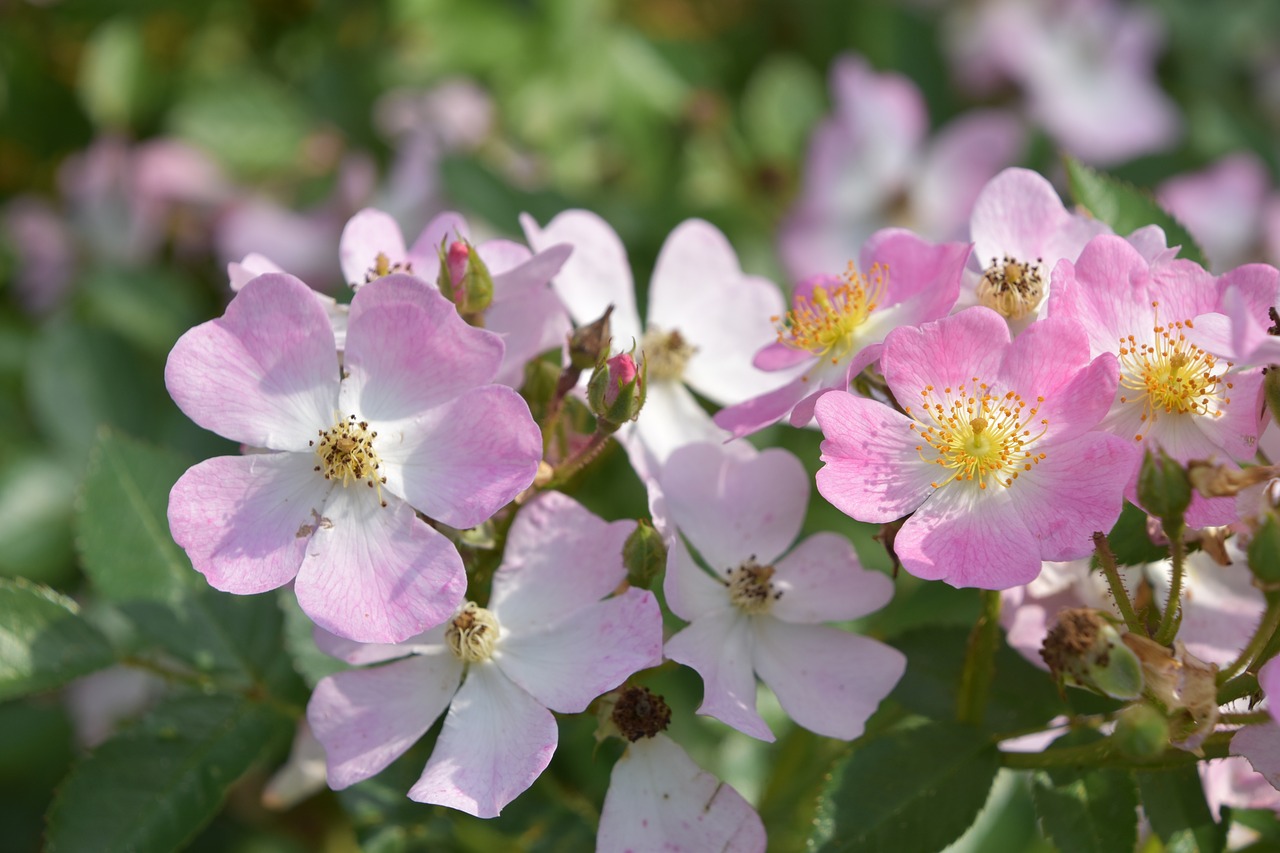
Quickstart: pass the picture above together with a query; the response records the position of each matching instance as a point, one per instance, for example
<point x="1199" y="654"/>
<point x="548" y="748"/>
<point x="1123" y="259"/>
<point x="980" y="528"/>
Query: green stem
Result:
<point x="1103" y="754"/>
<point x="1107" y="560"/>
<point x="979" y="661"/>
<point x="1261" y="637"/>
<point x="1246" y="719"/>
<point x="565" y="470"/>
<point x="1241" y="685"/>
<point x="1168" y="623"/>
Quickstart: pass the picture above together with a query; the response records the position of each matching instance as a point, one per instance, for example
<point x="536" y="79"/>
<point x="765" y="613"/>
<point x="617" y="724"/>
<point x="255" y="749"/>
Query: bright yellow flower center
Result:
<point x="473" y="634"/>
<point x="826" y="323"/>
<point x="750" y="587"/>
<point x="979" y="436"/>
<point x="1012" y="288"/>
<point x="1171" y="375"/>
<point x="346" y="453"/>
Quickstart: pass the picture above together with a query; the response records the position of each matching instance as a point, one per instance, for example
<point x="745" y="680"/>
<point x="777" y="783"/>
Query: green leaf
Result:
<point x="782" y="101"/>
<point x="153" y="786"/>
<point x="43" y="641"/>
<point x="914" y="789"/>
<point x="299" y="641"/>
<point x="1086" y="810"/>
<point x="123" y="524"/>
<point x="149" y="308"/>
<point x="1130" y="542"/>
<point x="1127" y="208"/>
<point x="36" y="494"/>
<point x="1174" y="803"/>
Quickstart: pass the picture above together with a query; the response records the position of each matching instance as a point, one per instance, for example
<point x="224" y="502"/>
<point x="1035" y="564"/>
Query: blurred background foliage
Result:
<point x="303" y="111"/>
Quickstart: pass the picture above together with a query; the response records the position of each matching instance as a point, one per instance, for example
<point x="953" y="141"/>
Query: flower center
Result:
<point x="1012" y="288"/>
<point x="639" y="712"/>
<point x="346" y="453"/>
<point x="383" y="265"/>
<point x="666" y="354"/>
<point x="472" y="634"/>
<point x="979" y="436"/>
<point x="826" y="322"/>
<point x="750" y="587"/>
<point x="1171" y="375"/>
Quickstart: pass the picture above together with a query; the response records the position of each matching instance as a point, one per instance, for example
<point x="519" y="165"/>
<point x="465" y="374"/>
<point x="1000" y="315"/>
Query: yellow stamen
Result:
<point x="827" y="322"/>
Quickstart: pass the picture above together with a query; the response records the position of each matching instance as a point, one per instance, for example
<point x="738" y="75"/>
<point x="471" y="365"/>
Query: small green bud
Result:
<point x="1142" y="732"/>
<point x="616" y="391"/>
<point x="645" y="555"/>
<point x="464" y="278"/>
<point x="1086" y="650"/>
<point x="1264" y="552"/>
<point x="1164" y="490"/>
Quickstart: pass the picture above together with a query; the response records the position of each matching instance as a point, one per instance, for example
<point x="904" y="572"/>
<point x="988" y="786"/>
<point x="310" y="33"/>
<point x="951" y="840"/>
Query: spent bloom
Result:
<point x="409" y="422"/>
<point x="762" y="610"/>
<point x="994" y="454"/>
<point x="836" y="324"/>
<point x="545" y="640"/>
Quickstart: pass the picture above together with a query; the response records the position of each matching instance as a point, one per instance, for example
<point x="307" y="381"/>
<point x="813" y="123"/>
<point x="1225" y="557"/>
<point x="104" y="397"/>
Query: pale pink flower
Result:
<point x="836" y="325"/>
<point x="1222" y="206"/>
<point x="706" y="318"/>
<point x="43" y="245"/>
<point x="1020" y="230"/>
<point x="1172" y="393"/>
<point x="546" y="640"/>
<point x="658" y="799"/>
<point x="241" y="272"/>
<point x="995" y="457"/>
<point x="525" y="312"/>
<point x="1240" y="330"/>
<point x="411" y="422"/>
<point x="870" y="166"/>
<point x="762" y="611"/>
<point x="1233" y="782"/>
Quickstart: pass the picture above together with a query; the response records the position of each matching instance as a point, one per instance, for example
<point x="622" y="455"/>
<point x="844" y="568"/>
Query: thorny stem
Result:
<point x="1245" y="719"/>
<point x="1168" y="624"/>
<point x="1107" y="560"/>
<point x="1237" y="687"/>
<point x="566" y="469"/>
<point x="979" y="661"/>
<point x="1266" y="630"/>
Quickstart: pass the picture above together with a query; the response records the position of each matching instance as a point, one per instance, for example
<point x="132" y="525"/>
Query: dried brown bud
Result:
<point x="1216" y="481"/>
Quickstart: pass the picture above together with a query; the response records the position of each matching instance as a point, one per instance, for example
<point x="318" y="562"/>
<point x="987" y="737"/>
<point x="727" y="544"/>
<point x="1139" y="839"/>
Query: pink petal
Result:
<point x="495" y="742"/>
<point x="596" y="276"/>
<point x="360" y="654"/>
<point x="969" y="537"/>
<point x="265" y="373"/>
<point x="923" y="273"/>
<point x="1076" y="489"/>
<point x="560" y="558"/>
<point x="1269" y="681"/>
<point x="699" y="289"/>
<point x="586" y="652"/>
<point x="462" y="461"/>
<point x="821" y="580"/>
<point x="779" y="356"/>
<point x="245" y="520"/>
<point x="733" y="508"/>
<point x="658" y="799"/>
<point x="872" y="470"/>
<point x="690" y="591"/>
<point x="367" y="718"/>
<point x="1019" y="214"/>
<point x="945" y="353"/>
<point x="408" y="350"/>
<point x="1261" y="745"/>
<point x="759" y="412"/>
<point x="252" y="266"/>
<point x="366" y="235"/>
<point x="672" y="418"/>
<point x="425" y="251"/>
<point x="1221" y="608"/>
<point x="719" y="647"/>
<point x="827" y="680"/>
<point x="377" y="574"/>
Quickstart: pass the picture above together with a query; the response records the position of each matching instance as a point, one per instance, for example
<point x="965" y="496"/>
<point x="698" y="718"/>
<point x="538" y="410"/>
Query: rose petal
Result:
<point x="366" y="235"/>
<point x="821" y="580"/>
<point x="719" y="647"/>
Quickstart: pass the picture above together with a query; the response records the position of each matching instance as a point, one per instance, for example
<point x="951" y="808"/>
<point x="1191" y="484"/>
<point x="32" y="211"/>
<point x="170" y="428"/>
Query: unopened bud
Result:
<point x="464" y="278"/>
<point x="1164" y="490"/>
<point x="645" y="555"/>
<point x="616" y="391"/>
<point x="1264" y="552"/>
<point x="589" y="344"/>
<point x="1142" y="732"/>
<point x="1085" y="649"/>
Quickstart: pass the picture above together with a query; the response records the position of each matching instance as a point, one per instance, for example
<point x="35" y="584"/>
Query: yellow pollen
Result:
<point x="826" y="323"/>
<point x="666" y="354"/>
<point x="750" y="587"/>
<point x="346" y="453"/>
<point x="978" y="435"/>
<point x="1170" y="375"/>
<point x="473" y="634"/>
<point x="382" y="265"/>
<point x="1012" y="288"/>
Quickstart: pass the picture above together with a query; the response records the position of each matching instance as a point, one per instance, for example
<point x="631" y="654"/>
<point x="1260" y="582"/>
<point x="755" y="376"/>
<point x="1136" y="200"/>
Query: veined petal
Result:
<point x="719" y="647"/>
<point x="245" y="520"/>
<point x="265" y="373"/>
<point x="759" y="412"/>
<point x="827" y="680"/>
<point x="496" y="741"/>
<point x="360" y="654"/>
<point x="566" y="665"/>
<point x="560" y="558"/>
<point x="691" y="593"/>
<point x="872" y="470"/>
<point x="366" y="235"/>
<point x="1261" y="745"/>
<point x="659" y="799"/>
<point x="944" y="353"/>
<point x="733" y="508"/>
<point x="462" y="461"/>
<point x="377" y="574"/>
<point x="821" y="580"/>
<point x="367" y="718"/>
<point x="969" y="537"/>
<point x="409" y="351"/>
<point x="672" y="418"/>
